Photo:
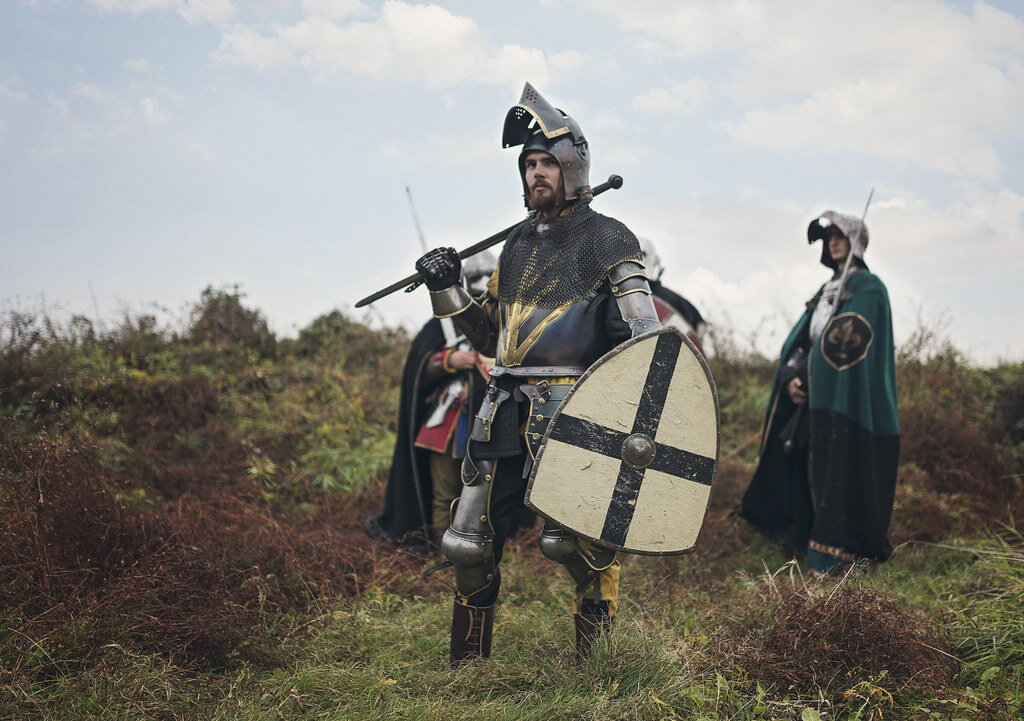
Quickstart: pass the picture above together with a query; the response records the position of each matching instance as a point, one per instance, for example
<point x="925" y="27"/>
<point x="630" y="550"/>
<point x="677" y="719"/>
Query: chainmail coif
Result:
<point x="564" y="263"/>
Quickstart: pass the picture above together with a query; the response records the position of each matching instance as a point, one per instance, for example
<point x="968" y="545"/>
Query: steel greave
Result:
<point x="469" y="541"/>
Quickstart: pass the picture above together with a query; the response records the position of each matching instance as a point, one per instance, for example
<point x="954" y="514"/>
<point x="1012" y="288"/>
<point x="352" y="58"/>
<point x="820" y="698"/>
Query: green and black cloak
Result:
<point x="832" y="495"/>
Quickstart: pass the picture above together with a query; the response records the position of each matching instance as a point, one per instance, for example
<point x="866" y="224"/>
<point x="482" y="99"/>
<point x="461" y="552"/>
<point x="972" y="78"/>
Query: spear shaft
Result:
<point x="856" y="251"/>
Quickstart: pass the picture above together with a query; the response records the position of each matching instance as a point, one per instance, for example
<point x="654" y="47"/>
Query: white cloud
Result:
<point x="116" y="112"/>
<point x="453" y="150"/>
<point x="139" y="65"/>
<point x="135" y="7"/>
<point x="151" y="110"/>
<point x="217" y="12"/>
<point x="920" y="81"/>
<point x="10" y="96"/>
<point x="608" y="119"/>
<point x="570" y="62"/>
<point x="933" y="89"/>
<point x="411" y="43"/>
<point x="682" y="99"/>
<point x="245" y="46"/>
<point x="690" y="29"/>
<point x="980" y="235"/>
<point x="508" y="64"/>
<point x="755" y="314"/>
<point x="333" y="9"/>
<point x="8" y="91"/>
<point x="746" y="265"/>
<point x="60" y="106"/>
<point x="198" y="151"/>
<point x="876" y="119"/>
<point x="92" y="92"/>
<point x="621" y="155"/>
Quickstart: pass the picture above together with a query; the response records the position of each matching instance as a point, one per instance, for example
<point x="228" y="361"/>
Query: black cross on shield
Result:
<point x="645" y="416"/>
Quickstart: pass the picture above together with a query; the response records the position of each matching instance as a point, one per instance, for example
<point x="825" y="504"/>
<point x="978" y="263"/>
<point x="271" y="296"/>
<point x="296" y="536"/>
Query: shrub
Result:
<point x="838" y="637"/>
<point x="220" y="322"/>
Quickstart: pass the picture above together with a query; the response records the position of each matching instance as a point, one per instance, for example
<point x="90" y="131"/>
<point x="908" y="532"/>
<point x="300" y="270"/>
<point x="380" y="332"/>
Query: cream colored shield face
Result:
<point x="630" y="456"/>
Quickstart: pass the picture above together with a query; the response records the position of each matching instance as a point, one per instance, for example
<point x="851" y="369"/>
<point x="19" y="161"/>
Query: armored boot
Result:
<point x="592" y="620"/>
<point x="471" y="633"/>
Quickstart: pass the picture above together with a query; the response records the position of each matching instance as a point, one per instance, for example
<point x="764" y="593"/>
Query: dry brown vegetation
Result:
<point x="199" y="496"/>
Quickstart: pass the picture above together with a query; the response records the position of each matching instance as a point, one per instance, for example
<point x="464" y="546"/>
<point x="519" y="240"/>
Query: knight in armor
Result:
<point x="443" y="380"/>
<point x="826" y="476"/>
<point x="569" y="287"/>
<point x="673" y="309"/>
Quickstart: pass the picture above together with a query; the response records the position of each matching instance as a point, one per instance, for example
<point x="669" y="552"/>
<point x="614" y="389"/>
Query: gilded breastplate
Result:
<point x="562" y="341"/>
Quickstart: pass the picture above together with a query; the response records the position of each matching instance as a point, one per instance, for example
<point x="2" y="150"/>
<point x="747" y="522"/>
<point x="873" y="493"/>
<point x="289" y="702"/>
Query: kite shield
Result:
<point x="629" y="457"/>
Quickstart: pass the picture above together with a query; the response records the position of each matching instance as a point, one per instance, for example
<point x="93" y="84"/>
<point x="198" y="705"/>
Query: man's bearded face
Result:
<point x="543" y="177"/>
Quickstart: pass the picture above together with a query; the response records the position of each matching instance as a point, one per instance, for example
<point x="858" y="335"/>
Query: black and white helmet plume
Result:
<point x="538" y="125"/>
<point x="651" y="260"/>
<point x="849" y="226"/>
<point x="477" y="270"/>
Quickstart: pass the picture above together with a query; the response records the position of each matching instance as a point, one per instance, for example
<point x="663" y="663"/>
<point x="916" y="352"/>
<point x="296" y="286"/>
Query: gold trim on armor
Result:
<point x="547" y="133"/>
<point x="589" y="557"/>
<point x="460" y="310"/>
<point x="524" y="429"/>
<point x="628" y="292"/>
<point x="631" y="275"/>
<point x="553" y="380"/>
<point x="511" y="351"/>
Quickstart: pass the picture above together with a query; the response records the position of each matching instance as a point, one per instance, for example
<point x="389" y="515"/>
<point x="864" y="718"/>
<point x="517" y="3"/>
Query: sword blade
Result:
<point x="410" y="282"/>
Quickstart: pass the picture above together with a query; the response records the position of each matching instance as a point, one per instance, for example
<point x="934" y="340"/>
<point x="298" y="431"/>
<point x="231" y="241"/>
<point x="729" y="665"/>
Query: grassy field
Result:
<point x="180" y="538"/>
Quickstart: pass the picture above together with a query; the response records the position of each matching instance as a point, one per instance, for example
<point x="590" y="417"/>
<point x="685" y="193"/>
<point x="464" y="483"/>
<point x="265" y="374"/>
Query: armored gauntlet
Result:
<point x="440" y="268"/>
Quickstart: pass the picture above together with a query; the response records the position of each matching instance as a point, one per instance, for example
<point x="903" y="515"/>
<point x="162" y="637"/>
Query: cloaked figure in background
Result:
<point x="442" y="382"/>
<point x="826" y="477"/>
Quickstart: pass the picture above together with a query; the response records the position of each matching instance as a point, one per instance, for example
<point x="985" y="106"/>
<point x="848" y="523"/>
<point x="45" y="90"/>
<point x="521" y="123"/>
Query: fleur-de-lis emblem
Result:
<point x="847" y="339"/>
<point x="844" y="336"/>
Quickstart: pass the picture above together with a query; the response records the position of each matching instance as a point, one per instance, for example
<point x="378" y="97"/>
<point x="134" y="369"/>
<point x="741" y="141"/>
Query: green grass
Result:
<point x="384" y="656"/>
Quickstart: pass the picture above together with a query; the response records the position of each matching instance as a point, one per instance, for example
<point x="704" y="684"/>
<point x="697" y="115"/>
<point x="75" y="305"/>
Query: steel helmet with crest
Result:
<point x="477" y="270"/>
<point x="849" y="226"/>
<point x="538" y="125"/>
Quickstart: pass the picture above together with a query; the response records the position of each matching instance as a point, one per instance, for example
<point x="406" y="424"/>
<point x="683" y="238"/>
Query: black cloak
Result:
<point x="408" y="494"/>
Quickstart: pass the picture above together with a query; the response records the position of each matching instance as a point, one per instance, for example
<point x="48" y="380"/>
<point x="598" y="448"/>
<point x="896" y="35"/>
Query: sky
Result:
<point x="152" y="148"/>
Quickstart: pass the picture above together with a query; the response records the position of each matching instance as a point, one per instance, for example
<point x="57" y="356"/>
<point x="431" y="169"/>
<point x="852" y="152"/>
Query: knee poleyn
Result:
<point x="472" y="559"/>
<point x="558" y="545"/>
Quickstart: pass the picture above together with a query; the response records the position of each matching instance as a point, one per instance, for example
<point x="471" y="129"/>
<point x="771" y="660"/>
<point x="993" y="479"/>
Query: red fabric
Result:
<point x="438" y="437"/>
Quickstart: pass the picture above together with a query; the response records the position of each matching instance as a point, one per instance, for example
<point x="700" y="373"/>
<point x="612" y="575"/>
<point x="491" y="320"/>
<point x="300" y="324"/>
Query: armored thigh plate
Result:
<point x="544" y="398"/>
<point x="469" y="541"/>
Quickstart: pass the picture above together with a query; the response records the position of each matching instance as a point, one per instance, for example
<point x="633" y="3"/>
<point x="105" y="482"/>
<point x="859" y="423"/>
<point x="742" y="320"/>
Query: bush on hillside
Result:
<point x="956" y="422"/>
<point x="220" y="322"/>
<point x="832" y="638"/>
<point x="130" y="512"/>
